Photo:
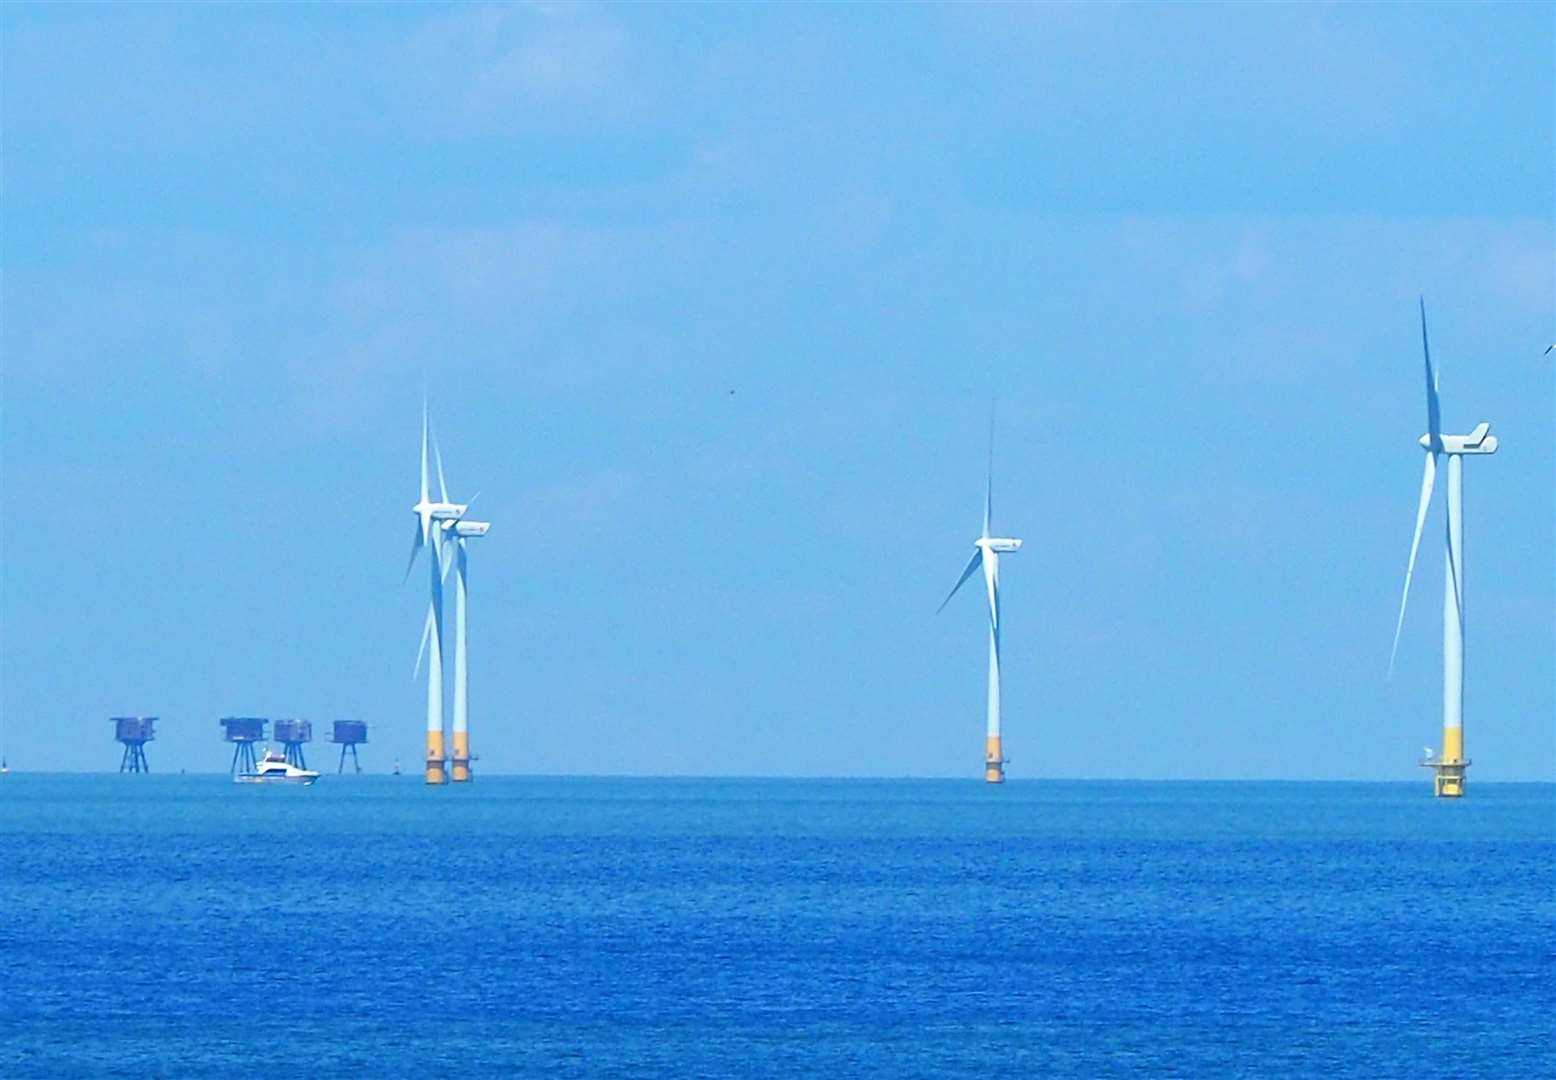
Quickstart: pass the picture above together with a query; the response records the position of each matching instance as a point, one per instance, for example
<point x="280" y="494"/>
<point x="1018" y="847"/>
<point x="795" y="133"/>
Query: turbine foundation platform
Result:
<point x="1447" y="777"/>
<point x="993" y="761"/>
<point x="461" y="759"/>
<point x="437" y="770"/>
<point x="1448" y="767"/>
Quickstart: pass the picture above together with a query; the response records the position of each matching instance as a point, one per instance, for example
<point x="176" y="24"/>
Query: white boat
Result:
<point x="275" y="769"/>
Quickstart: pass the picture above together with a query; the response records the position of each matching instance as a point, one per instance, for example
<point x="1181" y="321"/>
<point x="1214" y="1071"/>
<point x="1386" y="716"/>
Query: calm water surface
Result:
<point x="170" y="926"/>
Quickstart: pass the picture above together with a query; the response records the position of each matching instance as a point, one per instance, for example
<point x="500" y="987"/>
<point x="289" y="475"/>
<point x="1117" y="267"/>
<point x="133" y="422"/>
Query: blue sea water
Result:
<point x="171" y="926"/>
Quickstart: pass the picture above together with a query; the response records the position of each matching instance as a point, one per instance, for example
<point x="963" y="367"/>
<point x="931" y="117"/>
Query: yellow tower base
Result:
<point x="993" y="761"/>
<point x="461" y="757"/>
<point x="1448" y="781"/>
<point x="1448" y="768"/>
<point x="435" y="770"/>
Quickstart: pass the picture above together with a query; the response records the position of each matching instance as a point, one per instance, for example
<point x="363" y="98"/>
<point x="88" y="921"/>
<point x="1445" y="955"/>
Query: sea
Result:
<point x="368" y="926"/>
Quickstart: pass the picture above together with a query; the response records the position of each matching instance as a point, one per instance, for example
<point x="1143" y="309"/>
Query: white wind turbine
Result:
<point x="1450" y="765"/>
<point x="986" y="553"/>
<point x="452" y="533"/>
<point x="432" y="519"/>
<point x="462" y="530"/>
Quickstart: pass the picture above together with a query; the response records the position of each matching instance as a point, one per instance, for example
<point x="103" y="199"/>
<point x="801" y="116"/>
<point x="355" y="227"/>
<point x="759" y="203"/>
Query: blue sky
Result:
<point x="1182" y="245"/>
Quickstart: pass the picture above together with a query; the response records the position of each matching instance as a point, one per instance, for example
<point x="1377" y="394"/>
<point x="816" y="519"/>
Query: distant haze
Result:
<point x="710" y="304"/>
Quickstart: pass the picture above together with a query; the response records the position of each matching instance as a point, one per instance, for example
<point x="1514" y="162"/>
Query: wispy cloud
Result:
<point x="1206" y="266"/>
<point x="1305" y="64"/>
<point x="1208" y="262"/>
<point x="497" y="273"/>
<point x="587" y="506"/>
<point x="419" y="300"/>
<point x="1506" y="260"/>
<point x="509" y="65"/>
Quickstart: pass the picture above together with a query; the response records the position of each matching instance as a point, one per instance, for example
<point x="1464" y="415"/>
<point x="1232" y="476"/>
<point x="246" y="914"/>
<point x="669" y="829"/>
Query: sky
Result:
<point x="710" y="304"/>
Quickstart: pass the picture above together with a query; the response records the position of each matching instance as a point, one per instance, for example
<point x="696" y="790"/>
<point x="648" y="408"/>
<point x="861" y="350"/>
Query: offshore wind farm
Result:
<point x="444" y="529"/>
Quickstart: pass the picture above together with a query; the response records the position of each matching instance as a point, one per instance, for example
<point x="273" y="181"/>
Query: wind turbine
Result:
<point x="461" y="531"/>
<point x="431" y="520"/>
<point x="1449" y="766"/>
<point x="451" y="534"/>
<point x="986" y="553"/>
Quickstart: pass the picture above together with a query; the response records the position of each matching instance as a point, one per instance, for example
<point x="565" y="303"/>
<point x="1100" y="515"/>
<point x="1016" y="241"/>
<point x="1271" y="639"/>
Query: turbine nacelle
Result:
<point x="1476" y="442"/>
<point x="1000" y="545"/>
<point x="463" y="528"/>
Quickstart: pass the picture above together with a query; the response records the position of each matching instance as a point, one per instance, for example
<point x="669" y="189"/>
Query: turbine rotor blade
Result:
<point x="424" y="451"/>
<point x="416" y="542"/>
<point x="988" y="487"/>
<point x="971" y="568"/>
<point x="438" y="458"/>
<point x="1434" y="421"/>
<point x="991" y="577"/>
<point x="426" y="635"/>
<point x="1453" y="570"/>
<point x="1427" y="477"/>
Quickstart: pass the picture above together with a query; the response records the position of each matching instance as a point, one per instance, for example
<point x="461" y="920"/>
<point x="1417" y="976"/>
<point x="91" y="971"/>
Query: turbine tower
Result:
<point x="1448" y="767"/>
<point x="462" y="530"/>
<point x="986" y="553"/>
<point x="431" y="518"/>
